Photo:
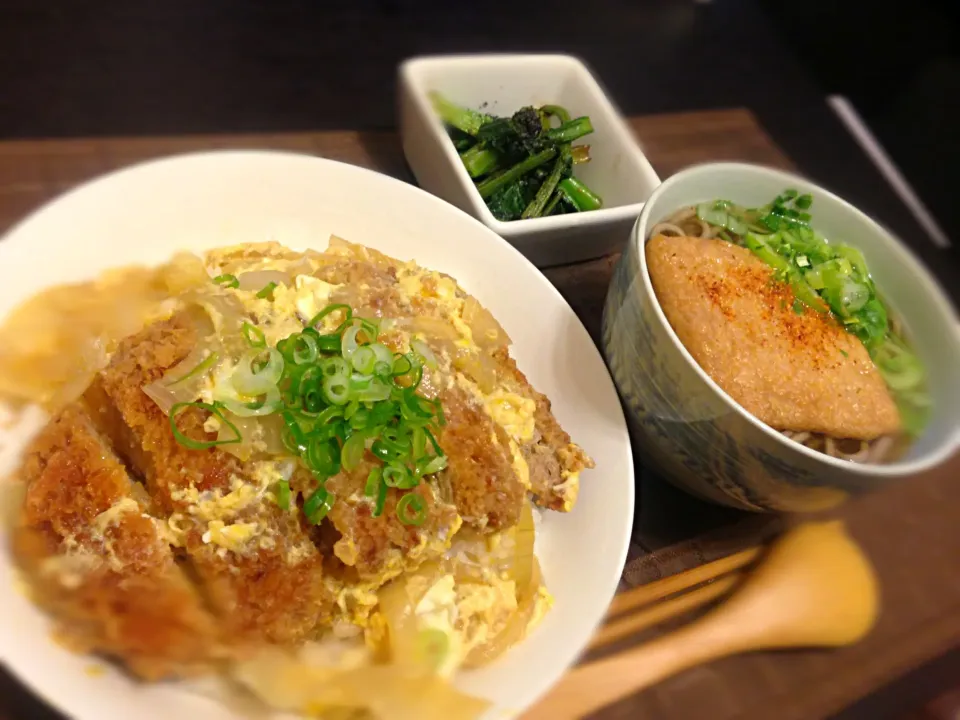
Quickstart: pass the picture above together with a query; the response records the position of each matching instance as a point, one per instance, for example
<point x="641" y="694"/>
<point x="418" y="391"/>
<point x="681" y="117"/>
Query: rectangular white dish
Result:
<point x="501" y="84"/>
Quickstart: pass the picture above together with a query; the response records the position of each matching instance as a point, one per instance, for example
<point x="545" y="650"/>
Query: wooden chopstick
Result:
<point x="659" y="589"/>
<point x="636" y="622"/>
<point x="629" y="613"/>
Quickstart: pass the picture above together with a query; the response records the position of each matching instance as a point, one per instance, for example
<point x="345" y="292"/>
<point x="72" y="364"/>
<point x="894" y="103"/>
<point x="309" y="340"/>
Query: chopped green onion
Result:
<point x="318" y="505"/>
<point x="433" y="441"/>
<point x="381" y="499"/>
<point x="347" y="310"/>
<point x="257" y="372"/>
<point x="283" y="495"/>
<point x="373" y="482"/>
<point x="200" y="368"/>
<point x="412" y="510"/>
<point x="267" y="290"/>
<point x="304" y="349"/>
<point x="253" y="335"/>
<point x="189" y="442"/>
<point x="336" y="390"/>
<point x="364" y="360"/>
<point x="349" y="342"/>
<point x="397" y="475"/>
<point x="335" y="367"/>
<point x="227" y="280"/>
<point x="323" y="457"/>
<point x="353" y="450"/>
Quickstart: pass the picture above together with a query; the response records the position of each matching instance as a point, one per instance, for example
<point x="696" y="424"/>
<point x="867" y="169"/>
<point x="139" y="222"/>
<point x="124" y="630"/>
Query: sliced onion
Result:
<point x="166" y="397"/>
<point x="228" y="316"/>
<point x="184" y="381"/>
<point x="480" y="368"/>
<point x="259" y="435"/>
<point x="522" y="568"/>
<point x="398" y="602"/>
<point x="517" y="626"/>
<point x="487" y="332"/>
<point x="267" y="403"/>
<point x="258" y="279"/>
<point x="424" y="351"/>
<point x="432" y="327"/>
<point x="248" y="382"/>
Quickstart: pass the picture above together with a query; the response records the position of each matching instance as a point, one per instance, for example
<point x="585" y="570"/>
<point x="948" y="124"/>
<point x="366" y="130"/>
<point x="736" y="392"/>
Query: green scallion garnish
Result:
<point x="343" y="397"/>
<point x="227" y="280"/>
<point x="267" y="290"/>
<point x="189" y="442"/>
<point x="318" y="505"/>
<point x="199" y="369"/>
<point x="253" y="335"/>
<point x="283" y="495"/>
<point x="412" y="510"/>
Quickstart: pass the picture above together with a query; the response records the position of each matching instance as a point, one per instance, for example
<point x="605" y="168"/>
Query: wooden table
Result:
<point x="911" y="532"/>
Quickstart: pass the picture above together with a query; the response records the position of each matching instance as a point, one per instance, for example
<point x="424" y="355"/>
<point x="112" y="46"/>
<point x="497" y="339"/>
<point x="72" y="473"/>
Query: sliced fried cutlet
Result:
<point x="794" y="369"/>
<point x="380" y="548"/>
<point x="488" y="486"/>
<point x="255" y="562"/>
<point x="554" y="462"/>
<point x="99" y="564"/>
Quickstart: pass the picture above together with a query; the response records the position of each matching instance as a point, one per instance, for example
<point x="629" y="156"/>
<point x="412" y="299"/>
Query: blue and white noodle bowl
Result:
<point x="695" y="433"/>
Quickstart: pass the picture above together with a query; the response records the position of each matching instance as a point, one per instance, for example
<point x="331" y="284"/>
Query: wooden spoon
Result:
<point x="814" y="588"/>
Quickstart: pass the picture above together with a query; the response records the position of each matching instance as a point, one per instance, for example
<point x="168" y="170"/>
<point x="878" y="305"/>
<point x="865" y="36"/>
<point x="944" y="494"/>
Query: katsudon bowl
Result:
<point x="703" y="440"/>
<point x="145" y="215"/>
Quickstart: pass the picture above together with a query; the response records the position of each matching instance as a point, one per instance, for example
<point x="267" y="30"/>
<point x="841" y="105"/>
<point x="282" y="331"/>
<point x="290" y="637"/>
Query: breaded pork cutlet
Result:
<point x="382" y="547"/>
<point x="99" y="563"/>
<point x="487" y="488"/>
<point x="255" y="562"/>
<point x="794" y="369"/>
<point x="553" y="461"/>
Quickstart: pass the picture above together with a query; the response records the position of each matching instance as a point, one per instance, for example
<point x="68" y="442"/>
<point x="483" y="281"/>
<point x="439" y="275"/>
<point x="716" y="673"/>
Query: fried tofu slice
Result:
<point x="102" y="566"/>
<point x="255" y="562"/>
<point x="793" y="370"/>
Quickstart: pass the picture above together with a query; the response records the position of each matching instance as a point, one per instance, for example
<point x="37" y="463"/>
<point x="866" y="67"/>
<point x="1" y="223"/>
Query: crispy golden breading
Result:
<point x="486" y="489"/>
<point x="272" y="587"/>
<point x="793" y="371"/>
<point x="553" y="460"/>
<point x="99" y="564"/>
<point x="382" y="547"/>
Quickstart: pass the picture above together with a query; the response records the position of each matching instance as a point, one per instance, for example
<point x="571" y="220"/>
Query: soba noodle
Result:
<point x="685" y="223"/>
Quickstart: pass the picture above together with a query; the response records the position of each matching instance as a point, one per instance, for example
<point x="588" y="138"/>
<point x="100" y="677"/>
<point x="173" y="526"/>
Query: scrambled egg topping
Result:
<point x="456" y="617"/>
<point x="219" y="514"/>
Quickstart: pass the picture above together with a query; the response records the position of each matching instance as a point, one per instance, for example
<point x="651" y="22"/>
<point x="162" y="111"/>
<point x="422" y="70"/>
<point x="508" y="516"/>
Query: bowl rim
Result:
<point x="410" y="76"/>
<point x="899" y="468"/>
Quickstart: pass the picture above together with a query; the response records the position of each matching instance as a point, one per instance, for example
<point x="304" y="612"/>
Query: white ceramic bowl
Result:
<point x="196" y="202"/>
<point x="700" y="437"/>
<point x="502" y="84"/>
